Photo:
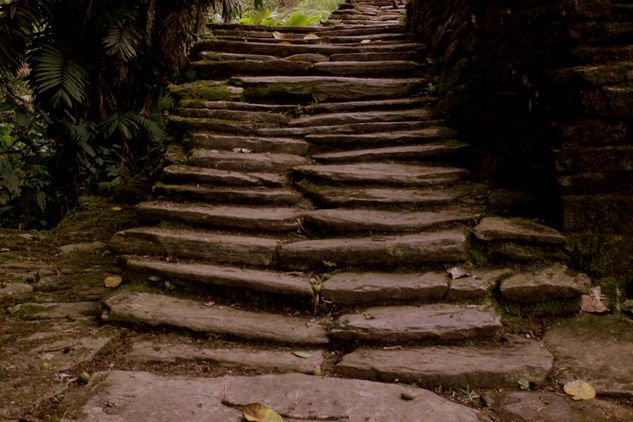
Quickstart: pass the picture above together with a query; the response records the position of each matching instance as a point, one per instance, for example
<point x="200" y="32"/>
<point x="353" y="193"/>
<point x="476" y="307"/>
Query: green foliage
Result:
<point x="288" y="12"/>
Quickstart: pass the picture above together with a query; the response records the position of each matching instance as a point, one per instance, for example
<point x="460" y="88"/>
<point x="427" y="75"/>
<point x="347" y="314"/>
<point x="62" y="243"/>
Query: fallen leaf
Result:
<point x="593" y="302"/>
<point x="116" y="208"/>
<point x="304" y="355"/>
<point x="365" y="41"/>
<point x="256" y="412"/>
<point x="278" y="35"/>
<point x="284" y="43"/>
<point x="459" y="272"/>
<point x="112" y="281"/>
<point x="242" y="150"/>
<point x="579" y="390"/>
<point x="311" y="37"/>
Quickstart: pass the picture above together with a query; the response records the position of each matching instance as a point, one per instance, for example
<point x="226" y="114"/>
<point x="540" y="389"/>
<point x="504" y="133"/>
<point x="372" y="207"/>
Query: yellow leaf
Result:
<point x="311" y="37"/>
<point x="579" y="390"/>
<point x="116" y="208"/>
<point x="365" y="41"/>
<point x="284" y="43"/>
<point x="278" y="35"/>
<point x="256" y="412"/>
<point x="113" y="281"/>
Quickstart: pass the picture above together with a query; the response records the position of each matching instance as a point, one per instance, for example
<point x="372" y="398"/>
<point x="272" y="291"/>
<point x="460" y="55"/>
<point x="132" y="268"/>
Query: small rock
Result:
<point x="499" y="228"/>
<point x="91" y="247"/>
<point x="15" y="288"/>
<point x="549" y="283"/>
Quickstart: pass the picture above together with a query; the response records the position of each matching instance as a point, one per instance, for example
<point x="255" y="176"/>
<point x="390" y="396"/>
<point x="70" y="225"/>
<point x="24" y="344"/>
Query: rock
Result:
<point x="377" y="139"/>
<point x="362" y="117"/>
<point x="261" y="144"/>
<point x="435" y="322"/>
<point x="92" y="247"/>
<point x="477" y="285"/>
<point x="70" y="310"/>
<point x="140" y="396"/>
<point x="352" y="288"/>
<point x="412" y="152"/>
<point x="251" y="162"/>
<point x="232" y="357"/>
<point x="8" y="289"/>
<point x="499" y="228"/>
<point x="551" y="283"/>
<point x="595" y="349"/>
<point x="394" y="68"/>
<point x="370" y="197"/>
<point x="550" y="407"/>
<point x="307" y="57"/>
<point x="452" y="367"/>
<point x="158" y="309"/>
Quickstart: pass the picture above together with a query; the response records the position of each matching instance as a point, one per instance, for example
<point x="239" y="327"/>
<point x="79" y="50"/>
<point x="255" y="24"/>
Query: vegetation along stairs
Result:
<point x="319" y="200"/>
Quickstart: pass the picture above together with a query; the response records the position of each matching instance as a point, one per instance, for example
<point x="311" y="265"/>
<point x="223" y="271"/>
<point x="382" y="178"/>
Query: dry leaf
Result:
<point x="112" y="281"/>
<point x="459" y="272"/>
<point x="365" y="41"/>
<point x="278" y="35"/>
<point x="304" y="355"/>
<point x="593" y="302"/>
<point x="311" y="37"/>
<point x="116" y="208"/>
<point x="284" y="43"/>
<point x="256" y="412"/>
<point x="579" y="390"/>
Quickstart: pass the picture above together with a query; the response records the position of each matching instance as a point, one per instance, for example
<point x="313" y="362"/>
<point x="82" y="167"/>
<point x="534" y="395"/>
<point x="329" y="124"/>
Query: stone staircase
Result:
<point x="319" y="200"/>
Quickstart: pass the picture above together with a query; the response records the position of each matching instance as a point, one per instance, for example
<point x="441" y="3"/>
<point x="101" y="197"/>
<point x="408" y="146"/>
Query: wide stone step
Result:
<point x="238" y="278"/>
<point x="382" y="174"/>
<point x="383" y="251"/>
<point x="247" y="162"/>
<point x="262" y="117"/>
<point x="190" y="124"/>
<point x="161" y="310"/>
<point x="375" y="105"/>
<point x="207" y="90"/>
<point x="331" y="119"/>
<point x="359" y="29"/>
<point x="251" y="143"/>
<point x="453" y="367"/>
<point x="215" y="69"/>
<point x="264" y="219"/>
<point x="436" y="322"/>
<point x="229" y="195"/>
<point x="379" y="56"/>
<point x="378" y="197"/>
<point x="382" y="138"/>
<point x="411" y="152"/>
<point x="182" y="173"/>
<point x="393" y="68"/>
<point x="236" y="105"/>
<point x="351" y="128"/>
<point x="361" y="220"/>
<point x="195" y="244"/>
<point x="373" y="37"/>
<point x="327" y="88"/>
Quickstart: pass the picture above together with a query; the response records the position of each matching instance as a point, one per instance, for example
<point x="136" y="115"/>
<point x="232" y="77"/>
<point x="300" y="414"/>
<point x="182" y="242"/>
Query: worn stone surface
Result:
<point x="244" y="278"/>
<point x="233" y="357"/>
<point x="9" y="289"/>
<point x="359" y="220"/>
<point x="436" y="322"/>
<point x="477" y="285"/>
<point x="362" y="117"/>
<point x="499" y="228"/>
<point x="428" y="151"/>
<point x="156" y="310"/>
<point x="393" y="68"/>
<point x="596" y="349"/>
<point x="526" y="406"/>
<point x="377" y="139"/>
<point x="91" y="247"/>
<point x="452" y="367"/>
<point x="247" y="162"/>
<point x="140" y="396"/>
<point x="368" y="197"/>
<point x="387" y="251"/>
<point x="550" y="283"/>
<point x="230" y="194"/>
<point x="221" y="177"/>
<point x="70" y="310"/>
<point x="255" y="144"/>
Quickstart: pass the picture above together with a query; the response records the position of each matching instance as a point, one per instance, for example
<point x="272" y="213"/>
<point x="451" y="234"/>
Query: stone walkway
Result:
<point x="320" y="220"/>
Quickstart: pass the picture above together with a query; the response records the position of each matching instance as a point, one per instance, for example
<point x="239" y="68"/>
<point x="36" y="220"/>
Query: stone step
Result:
<point x="393" y="68"/>
<point x="379" y="56"/>
<point x="376" y="105"/>
<point x="378" y="197"/>
<point x="260" y="117"/>
<point x="246" y="162"/>
<point x="195" y="244"/>
<point x="261" y="219"/>
<point x="162" y="310"/>
<point x="412" y="152"/>
<point x="238" y="278"/>
<point x="519" y="229"/>
<point x="382" y="138"/>
<point x="237" y="105"/>
<point x="373" y="37"/>
<point x="359" y="30"/>
<point x="329" y="88"/>
<point x="190" y="124"/>
<point x="384" y="251"/>
<point x="456" y="368"/>
<point x="438" y="323"/>
<point x="213" y="69"/>
<point x="346" y="118"/>
<point x="376" y="221"/>
<point x="229" y="195"/>
<point x="182" y="173"/>
<point x="254" y="144"/>
<point x="381" y="174"/>
<point x="207" y="90"/>
<point x="352" y="128"/>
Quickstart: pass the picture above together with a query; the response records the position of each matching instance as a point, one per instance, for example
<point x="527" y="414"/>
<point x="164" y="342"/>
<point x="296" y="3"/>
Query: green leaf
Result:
<point x="304" y="355"/>
<point x="297" y="19"/>
<point x="256" y="412"/>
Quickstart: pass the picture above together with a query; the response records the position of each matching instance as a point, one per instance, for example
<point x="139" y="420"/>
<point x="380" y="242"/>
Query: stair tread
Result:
<point x="225" y="160"/>
<point x="230" y="194"/>
<point x="386" y="138"/>
<point x="357" y="197"/>
<point x="435" y="149"/>
<point x="362" y="117"/>
<point x="222" y="177"/>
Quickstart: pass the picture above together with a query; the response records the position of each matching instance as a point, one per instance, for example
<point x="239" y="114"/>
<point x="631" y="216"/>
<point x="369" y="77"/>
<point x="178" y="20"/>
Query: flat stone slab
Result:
<point x="435" y="322"/>
<point x="9" y="289"/>
<point x="452" y="367"/>
<point x="266" y="219"/>
<point x="524" y="406"/>
<point x="221" y="177"/>
<point x="230" y="194"/>
<point x="383" y="174"/>
<point x="361" y="197"/>
<point x="68" y="310"/>
<point x="550" y="283"/>
<point x="157" y="310"/>
<point x="195" y="244"/>
<point x="409" y="152"/>
<point x="353" y="288"/>
<point x="477" y="285"/>
<point x="390" y="251"/>
<point x="231" y="357"/>
<point x="383" y="138"/>
<point x="141" y="396"/>
<point x="500" y="228"/>
<point x="275" y="145"/>
<point x="362" y="117"/>
<point x="361" y="220"/>
<point x="595" y="349"/>
<point x="90" y="247"/>
<point x="361" y="68"/>
<point x="248" y="162"/>
<point x="239" y="278"/>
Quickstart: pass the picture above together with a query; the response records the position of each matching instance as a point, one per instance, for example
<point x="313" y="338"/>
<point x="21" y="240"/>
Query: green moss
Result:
<point x="28" y="309"/>
<point x="207" y="90"/>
